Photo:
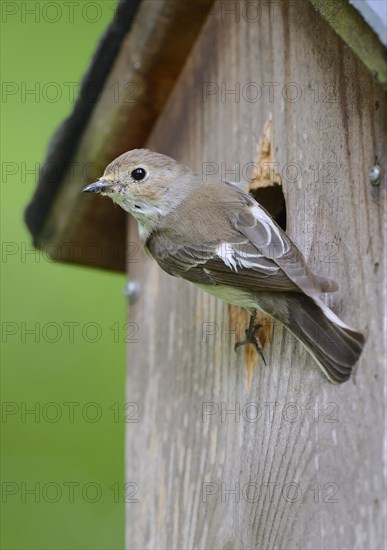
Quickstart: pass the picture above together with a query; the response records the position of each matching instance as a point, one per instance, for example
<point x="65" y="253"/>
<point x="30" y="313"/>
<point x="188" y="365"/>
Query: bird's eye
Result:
<point x="138" y="174"/>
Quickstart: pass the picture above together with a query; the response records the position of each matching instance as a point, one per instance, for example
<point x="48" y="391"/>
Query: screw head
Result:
<point x="132" y="291"/>
<point x="375" y="175"/>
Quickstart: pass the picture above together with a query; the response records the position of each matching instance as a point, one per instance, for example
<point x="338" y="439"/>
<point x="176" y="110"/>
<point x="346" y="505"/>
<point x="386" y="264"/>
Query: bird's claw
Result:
<point x="251" y="338"/>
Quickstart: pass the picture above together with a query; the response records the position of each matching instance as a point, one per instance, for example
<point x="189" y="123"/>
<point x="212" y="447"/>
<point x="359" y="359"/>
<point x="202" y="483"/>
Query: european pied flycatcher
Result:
<point x="218" y="237"/>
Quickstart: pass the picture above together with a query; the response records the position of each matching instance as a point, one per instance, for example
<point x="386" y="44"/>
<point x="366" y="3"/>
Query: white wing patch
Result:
<point x="242" y="255"/>
<point x="226" y="252"/>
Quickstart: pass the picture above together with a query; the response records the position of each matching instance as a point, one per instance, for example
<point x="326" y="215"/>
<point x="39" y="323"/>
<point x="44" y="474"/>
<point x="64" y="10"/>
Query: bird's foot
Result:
<point x="252" y="338"/>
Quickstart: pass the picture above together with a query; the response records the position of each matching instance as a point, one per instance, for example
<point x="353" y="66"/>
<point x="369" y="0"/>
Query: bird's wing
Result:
<point x="256" y="254"/>
<point x="237" y="264"/>
<point x="270" y="240"/>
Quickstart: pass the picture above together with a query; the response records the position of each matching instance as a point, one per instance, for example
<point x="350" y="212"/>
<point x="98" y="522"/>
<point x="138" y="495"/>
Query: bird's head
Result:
<point x="145" y="184"/>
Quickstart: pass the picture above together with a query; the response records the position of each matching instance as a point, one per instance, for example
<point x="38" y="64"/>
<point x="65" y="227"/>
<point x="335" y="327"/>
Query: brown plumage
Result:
<point x="218" y="237"/>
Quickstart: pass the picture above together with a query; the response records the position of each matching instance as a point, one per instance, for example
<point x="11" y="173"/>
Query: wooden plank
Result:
<point x="294" y="462"/>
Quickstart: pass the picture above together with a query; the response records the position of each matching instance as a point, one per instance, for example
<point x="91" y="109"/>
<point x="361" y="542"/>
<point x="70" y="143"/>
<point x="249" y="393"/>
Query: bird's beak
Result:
<point x="97" y="187"/>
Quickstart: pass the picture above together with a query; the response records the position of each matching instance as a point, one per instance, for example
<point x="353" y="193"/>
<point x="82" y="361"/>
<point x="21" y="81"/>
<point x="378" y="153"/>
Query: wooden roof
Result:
<point x="131" y="75"/>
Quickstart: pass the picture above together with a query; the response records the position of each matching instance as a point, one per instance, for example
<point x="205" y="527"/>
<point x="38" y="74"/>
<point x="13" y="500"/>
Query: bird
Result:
<point x="217" y="236"/>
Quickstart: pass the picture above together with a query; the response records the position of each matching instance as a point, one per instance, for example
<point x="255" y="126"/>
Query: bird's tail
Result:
<point x="335" y="346"/>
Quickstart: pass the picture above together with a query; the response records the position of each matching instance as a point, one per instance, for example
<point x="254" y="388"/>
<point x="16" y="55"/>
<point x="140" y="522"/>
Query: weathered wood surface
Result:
<point x="307" y="475"/>
<point x="350" y="25"/>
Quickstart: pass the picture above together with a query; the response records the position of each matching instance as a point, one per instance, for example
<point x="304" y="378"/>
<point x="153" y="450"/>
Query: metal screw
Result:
<point x="132" y="291"/>
<point x="374" y="175"/>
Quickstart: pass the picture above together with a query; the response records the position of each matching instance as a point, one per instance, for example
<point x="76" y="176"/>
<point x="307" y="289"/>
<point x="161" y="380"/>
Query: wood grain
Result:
<point x="303" y="458"/>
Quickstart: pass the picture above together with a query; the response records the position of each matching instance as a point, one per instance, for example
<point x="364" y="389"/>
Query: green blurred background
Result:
<point x="70" y="452"/>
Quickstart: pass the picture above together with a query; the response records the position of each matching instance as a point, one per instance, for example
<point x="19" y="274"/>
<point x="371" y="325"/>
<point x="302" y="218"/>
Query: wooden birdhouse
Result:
<point x="287" y="98"/>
